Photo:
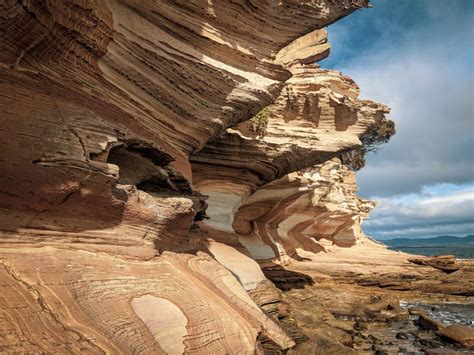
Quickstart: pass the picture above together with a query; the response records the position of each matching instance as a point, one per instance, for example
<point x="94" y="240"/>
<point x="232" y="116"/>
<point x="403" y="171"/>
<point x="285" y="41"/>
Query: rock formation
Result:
<point x="311" y="209"/>
<point x="446" y="263"/>
<point x="138" y="201"/>
<point x="459" y="334"/>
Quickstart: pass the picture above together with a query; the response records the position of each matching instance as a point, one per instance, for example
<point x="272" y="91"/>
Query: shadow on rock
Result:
<point x="285" y="279"/>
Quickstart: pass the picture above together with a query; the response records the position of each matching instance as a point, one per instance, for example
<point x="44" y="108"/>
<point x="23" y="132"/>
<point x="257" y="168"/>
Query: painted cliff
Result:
<point x="157" y="157"/>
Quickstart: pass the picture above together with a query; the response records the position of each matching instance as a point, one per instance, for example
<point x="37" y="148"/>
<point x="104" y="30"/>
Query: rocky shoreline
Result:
<point x="162" y="161"/>
<point x="341" y="312"/>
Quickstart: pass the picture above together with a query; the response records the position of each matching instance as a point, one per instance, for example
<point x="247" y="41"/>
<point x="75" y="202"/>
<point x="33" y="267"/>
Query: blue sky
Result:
<point x="416" y="56"/>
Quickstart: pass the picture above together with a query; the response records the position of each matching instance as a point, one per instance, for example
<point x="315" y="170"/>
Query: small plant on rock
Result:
<point x="378" y="135"/>
<point x="260" y="122"/>
<point x="372" y="140"/>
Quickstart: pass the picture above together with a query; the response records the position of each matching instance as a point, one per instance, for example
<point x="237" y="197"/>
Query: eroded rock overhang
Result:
<point x="118" y="118"/>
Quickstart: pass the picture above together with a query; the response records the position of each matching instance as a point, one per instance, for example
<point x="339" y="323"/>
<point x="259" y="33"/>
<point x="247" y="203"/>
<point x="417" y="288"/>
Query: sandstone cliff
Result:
<point x="138" y="201"/>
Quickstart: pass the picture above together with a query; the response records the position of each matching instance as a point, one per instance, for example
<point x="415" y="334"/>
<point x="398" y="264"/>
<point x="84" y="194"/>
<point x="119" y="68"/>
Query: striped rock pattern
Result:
<point x="292" y="173"/>
<point x="124" y="127"/>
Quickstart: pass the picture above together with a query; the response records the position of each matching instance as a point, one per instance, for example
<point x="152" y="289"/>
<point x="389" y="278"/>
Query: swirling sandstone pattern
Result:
<point x="316" y="118"/>
<point x="135" y="197"/>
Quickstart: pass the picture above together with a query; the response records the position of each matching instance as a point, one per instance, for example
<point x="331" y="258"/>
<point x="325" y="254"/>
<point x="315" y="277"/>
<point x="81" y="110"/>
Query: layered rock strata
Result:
<point x="312" y="209"/>
<point x="135" y="197"/>
<point x="317" y="118"/>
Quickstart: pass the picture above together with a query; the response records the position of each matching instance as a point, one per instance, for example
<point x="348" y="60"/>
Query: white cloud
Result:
<point x="428" y="231"/>
<point x="418" y="58"/>
<point x="449" y="212"/>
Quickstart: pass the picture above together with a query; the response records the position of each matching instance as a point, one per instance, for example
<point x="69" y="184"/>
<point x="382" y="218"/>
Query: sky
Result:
<point x="417" y="57"/>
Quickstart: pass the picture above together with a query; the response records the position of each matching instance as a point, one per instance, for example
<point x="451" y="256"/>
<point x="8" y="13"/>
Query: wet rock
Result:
<point x="397" y="312"/>
<point x="430" y="343"/>
<point x="429" y="323"/>
<point x="380" y="351"/>
<point x="441" y="351"/>
<point x="401" y="335"/>
<point x="359" y="326"/>
<point x="374" y="339"/>
<point x="390" y="316"/>
<point x="458" y="334"/>
<point x="392" y="307"/>
<point x="416" y="311"/>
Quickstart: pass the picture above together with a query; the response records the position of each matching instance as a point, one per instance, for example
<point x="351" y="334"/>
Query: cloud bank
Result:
<point x="440" y="210"/>
<point x="418" y="58"/>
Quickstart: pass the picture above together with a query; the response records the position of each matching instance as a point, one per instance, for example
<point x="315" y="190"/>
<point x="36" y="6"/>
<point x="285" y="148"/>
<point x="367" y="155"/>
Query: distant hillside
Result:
<point x="444" y="240"/>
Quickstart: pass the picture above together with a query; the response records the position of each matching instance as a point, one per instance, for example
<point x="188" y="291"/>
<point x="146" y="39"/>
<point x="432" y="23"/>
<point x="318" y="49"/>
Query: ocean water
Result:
<point x="461" y="252"/>
<point x="448" y="313"/>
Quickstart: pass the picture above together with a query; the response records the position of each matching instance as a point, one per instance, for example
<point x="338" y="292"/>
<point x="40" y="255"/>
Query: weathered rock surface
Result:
<point x="309" y="195"/>
<point x="139" y="203"/>
<point x="446" y="263"/>
<point x="312" y="210"/>
<point x="459" y="334"/>
<point x="427" y="322"/>
<point x="341" y="315"/>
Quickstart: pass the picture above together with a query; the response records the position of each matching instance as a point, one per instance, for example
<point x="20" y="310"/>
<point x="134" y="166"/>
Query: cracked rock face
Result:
<point x="137" y="201"/>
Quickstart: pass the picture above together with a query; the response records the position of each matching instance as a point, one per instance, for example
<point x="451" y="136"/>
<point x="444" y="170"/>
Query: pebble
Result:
<point x="401" y="335"/>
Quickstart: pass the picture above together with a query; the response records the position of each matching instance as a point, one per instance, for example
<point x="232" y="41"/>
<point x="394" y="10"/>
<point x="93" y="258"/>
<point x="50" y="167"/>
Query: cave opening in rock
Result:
<point x="148" y="170"/>
<point x="139" y="170"/>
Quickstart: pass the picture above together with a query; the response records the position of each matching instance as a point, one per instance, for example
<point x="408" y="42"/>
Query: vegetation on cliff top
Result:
<point x="378" y="135"/>
<point x="372" y="141"/>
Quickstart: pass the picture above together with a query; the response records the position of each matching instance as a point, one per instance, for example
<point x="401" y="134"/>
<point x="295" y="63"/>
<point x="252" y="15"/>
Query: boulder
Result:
<point x="429" y="323"/>
<point x="459" y="334"/>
